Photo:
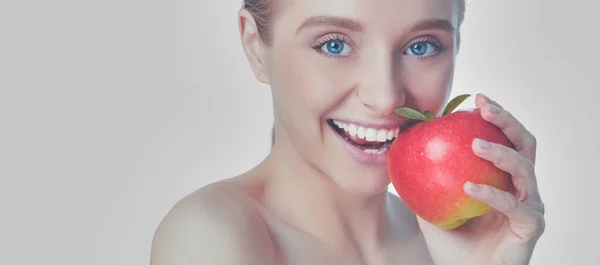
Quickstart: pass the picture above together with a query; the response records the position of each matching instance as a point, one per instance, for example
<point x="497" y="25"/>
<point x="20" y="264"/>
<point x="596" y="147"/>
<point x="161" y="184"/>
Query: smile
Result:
<point x="373" y="141"/>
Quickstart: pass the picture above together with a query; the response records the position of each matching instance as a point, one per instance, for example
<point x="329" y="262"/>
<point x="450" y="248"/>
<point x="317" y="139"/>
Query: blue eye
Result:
<point x="335" y="47"/>
<point x="422" y="48"/>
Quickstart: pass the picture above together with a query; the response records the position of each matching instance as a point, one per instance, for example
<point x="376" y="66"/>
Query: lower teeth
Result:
<point x="367" y="149"/>
<point x="375" y="151"/>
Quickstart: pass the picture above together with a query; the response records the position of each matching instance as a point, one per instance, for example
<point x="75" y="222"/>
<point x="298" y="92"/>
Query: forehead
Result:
<point x="366" y="15"/>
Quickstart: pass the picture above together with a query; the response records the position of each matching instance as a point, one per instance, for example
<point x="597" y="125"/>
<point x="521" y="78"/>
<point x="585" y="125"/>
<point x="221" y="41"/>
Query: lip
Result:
<point x="358" y="154"/>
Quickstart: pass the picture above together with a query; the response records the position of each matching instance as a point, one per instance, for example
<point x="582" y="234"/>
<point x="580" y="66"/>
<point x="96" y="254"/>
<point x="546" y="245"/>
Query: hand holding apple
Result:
<point x="447" y="176"/>
<point x="431" y="161"/>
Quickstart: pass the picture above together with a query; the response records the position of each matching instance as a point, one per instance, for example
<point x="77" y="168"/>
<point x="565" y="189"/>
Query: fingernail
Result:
<point x="484" y="144"/>
<point x="493" y="109"/>
<point x="472" y="186"/>
<point x="485" y="97"/>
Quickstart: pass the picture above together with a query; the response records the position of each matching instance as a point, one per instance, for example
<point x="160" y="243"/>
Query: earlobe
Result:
<point x="252" y="44"/>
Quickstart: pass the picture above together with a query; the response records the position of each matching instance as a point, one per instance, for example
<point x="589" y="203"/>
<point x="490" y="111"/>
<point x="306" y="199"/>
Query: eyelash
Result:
<point x="332" y="37"/>
<point x="437" y="45"/>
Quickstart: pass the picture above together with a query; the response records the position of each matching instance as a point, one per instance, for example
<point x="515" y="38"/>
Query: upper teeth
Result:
<point x="371" y="134"/>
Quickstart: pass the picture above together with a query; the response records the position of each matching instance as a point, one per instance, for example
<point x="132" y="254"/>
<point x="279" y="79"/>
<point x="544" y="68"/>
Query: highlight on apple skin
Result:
<point x="429" y="163"/>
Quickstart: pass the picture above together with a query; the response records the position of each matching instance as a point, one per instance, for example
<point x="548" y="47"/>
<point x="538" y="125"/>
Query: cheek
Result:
<point x="304" y="77"/>
<point x="428" y="83"/>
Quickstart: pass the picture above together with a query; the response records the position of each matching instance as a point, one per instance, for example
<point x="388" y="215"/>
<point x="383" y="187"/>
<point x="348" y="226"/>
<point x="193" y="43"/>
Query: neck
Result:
<point x="309" y="200"/>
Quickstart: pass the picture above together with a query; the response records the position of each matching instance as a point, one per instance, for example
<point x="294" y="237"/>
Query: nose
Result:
<point x="381" y="89"/>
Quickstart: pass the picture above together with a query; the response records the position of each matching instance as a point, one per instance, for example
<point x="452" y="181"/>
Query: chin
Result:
<point x="361" y="182"/>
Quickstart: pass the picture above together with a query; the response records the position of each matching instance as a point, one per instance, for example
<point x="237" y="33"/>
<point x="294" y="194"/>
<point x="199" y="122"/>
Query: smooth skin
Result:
<point x="309" y="202"/>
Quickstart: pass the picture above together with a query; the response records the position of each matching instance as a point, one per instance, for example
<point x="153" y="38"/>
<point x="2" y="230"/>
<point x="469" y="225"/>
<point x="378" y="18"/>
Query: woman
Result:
<point x="321" y="197"/>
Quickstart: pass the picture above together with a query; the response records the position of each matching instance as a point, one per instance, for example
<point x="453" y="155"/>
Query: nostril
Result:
<point x="383" y="101"/>
<point x="384" y="106"/>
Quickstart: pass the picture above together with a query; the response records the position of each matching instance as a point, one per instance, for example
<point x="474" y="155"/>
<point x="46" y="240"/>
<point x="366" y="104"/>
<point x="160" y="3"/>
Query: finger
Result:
<point x="524" y="222"/>
<point x="524" y="141"/>
<point x="483" y="100"/>
<point x="512" y="162"/>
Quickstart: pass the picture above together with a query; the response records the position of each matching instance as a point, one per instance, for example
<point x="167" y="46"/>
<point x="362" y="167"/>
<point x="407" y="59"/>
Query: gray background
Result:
<point x="111" y="111"/>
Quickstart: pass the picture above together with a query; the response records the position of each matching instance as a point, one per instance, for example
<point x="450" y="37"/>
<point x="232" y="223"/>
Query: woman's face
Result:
<point x="338" y="68"/>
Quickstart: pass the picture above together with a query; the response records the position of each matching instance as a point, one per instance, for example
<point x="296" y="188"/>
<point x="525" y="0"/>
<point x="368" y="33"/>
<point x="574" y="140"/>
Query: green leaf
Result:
<point x="454" y="103"/>
<point x="411" y="113"/>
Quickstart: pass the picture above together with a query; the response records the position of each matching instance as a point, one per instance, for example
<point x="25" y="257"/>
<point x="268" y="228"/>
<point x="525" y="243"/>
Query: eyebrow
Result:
<point x="431" y="24"/>
<point x="331" y="21"/>
<point x="352" y="25"/>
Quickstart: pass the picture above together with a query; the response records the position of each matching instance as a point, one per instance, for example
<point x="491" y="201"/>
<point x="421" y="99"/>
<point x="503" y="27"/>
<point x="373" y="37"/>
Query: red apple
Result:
<point x="429" y="163"/>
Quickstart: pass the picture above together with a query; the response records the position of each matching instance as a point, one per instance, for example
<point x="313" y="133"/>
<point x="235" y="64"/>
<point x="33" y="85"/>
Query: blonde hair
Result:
<point x="263" y="11"/>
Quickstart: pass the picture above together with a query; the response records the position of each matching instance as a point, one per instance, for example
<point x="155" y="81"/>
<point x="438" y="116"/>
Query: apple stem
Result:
<point x="427" y="115"/>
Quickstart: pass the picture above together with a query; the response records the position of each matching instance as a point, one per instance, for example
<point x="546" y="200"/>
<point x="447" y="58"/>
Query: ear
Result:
<point x="252" y="44"/>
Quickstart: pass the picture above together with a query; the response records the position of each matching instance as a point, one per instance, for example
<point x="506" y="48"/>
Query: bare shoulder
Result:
<point x="210" y="226"/>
